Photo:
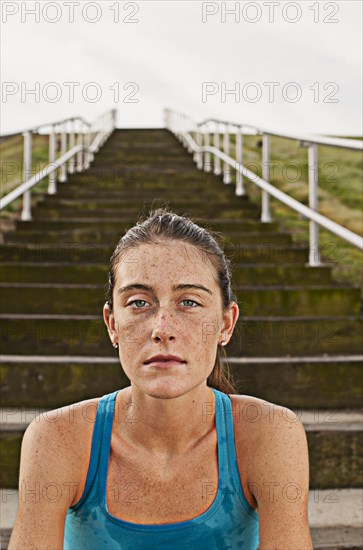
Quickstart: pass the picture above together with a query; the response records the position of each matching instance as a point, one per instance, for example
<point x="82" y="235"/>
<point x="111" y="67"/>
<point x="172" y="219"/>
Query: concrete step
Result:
<point x="195" y="188"/>
<point x="192" y="196"/>
<point x="170" y="183"/>
<point x="294" y="254"/>
<point x="57" y="232"/>
<point x="246" y="214"/>
<point x="335" y="518"/>
<point x="243" y="274"/>
<point x="163" y="147"/>
<point x="316" y="382"/>
<point x="130" y="158"/>
<point x="104" y="200"/>
<point x="131" y="135"/>
<point x="116" y="225"/>
<point x="334" y="440"/>
<point x="124" y="214"/>
<point x="145" y="177"/>
<point x="140" y="157"/>
<point x="172" y="179"/>
<point x="86" y="335"/>
<point x="117" y="198"/>
<point x="88" y="299"/>
<point x="172" y="174"/>
<point x="157" y="147"/>
<point x="139" y="201"/>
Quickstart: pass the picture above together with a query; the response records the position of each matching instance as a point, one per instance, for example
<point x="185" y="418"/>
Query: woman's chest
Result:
<point x="140" y="489"/>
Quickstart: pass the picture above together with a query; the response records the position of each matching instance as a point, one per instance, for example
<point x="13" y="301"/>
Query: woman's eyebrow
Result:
<point x="140" y="286"/>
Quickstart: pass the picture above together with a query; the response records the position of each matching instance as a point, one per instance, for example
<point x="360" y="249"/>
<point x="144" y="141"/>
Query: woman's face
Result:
<point x="165" y="318"/>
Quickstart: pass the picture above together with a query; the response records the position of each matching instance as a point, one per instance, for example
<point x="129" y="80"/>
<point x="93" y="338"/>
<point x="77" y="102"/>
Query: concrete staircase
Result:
<point x="298" y="341"/>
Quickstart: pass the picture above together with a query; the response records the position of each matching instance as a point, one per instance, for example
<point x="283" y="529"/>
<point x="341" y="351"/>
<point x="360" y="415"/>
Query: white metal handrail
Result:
<point x="35" y="129"/>
<point x="183" y="126"/>
<point x="46" y="171"/>
<point x="78" y="157"/>
<point x="303" y="138"/>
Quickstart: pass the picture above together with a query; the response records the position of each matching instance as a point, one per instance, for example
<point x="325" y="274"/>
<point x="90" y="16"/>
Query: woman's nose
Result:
<point x="163" y="324"/>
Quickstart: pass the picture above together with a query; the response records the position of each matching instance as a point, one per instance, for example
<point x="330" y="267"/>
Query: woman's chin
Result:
<point x="166" y="388"/>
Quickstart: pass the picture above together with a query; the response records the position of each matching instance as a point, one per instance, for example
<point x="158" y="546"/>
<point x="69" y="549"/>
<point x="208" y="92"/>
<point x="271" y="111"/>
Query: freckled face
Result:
<point x="186" y="322"/>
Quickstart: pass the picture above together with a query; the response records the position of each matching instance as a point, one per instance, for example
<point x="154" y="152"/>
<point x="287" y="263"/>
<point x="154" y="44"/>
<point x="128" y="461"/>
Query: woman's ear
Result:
<point x="230" y="318"/>
<point x="109" y="320"/>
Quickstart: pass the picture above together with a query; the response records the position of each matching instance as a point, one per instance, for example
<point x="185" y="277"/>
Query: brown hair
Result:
<point x="161" y="225"/>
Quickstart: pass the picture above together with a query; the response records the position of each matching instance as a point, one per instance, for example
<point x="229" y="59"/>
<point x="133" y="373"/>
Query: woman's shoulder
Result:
<point x="69" y="418"/>
<point x="262" y="427"/>
<point x="256" y="410"/>
<point x="257" y="416"/>
<point x="61" y="440"/>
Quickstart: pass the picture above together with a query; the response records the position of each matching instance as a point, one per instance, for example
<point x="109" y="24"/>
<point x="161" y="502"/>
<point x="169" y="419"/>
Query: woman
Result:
<point x="171" y="461"/>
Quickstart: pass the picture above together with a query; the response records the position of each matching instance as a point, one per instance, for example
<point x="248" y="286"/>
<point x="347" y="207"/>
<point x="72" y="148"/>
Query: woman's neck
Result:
<point x="165" y="427"/>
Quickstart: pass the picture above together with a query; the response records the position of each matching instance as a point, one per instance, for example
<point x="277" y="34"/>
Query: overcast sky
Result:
<point x="142" y="56"/>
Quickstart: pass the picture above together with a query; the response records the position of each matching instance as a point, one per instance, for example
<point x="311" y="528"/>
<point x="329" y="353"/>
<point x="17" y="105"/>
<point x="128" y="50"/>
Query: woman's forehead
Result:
<point x="165" y="258"/>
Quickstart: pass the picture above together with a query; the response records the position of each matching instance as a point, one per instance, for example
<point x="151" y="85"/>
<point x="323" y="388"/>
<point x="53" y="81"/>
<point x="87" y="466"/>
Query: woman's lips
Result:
<point x="159" y="364"/>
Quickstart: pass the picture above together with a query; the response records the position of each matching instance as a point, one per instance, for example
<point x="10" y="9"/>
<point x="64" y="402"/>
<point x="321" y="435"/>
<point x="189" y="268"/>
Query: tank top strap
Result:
<point x="226" y="443"/>
<point x="222" y="439"/>
<point x="108" y="415"/>
<point x="98" y="436"/>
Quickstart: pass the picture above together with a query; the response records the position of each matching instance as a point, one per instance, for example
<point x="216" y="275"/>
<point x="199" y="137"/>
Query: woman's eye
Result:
<point x="193" y="301"/>
<point x="134" y="302"/>
<point x="145" y="302"/>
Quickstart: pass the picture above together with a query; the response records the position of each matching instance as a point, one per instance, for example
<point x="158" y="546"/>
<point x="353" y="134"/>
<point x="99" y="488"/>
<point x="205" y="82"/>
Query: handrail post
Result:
<point x="79" y="167"/>
<point x="182" y="128"/>
<point x="104" y="130"/>
<point x="52" y="185"/>
<point x="314" y="253"/>
<point x="71" y="145"/>
<point x="91" y="155"/>
<point x="169" y="120"/>
<point x="240" y="190"/>
<point x="176" y="132"/>
<point x="190" y="126"/>
<point x="226" y="170"/>
<point x="63" y="171"/>
<point x="207" y="162"/>
<point x="265" y="198"/>
<point x="200" y="144"/>
<point x="87" y="155"/>
<point x="185" y="131"/>
<point x="178" y="127"/>
<point x="216" y="162"/>
<point x="114" y="119"/>
<point x="195" y="156"/>
<point x="182" y="124"/>
<point x="26" y="214"/>
<point x="97" y="130"/>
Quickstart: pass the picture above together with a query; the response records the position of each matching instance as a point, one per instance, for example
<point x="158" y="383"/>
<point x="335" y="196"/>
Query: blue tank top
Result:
<point x="230" y="523"/>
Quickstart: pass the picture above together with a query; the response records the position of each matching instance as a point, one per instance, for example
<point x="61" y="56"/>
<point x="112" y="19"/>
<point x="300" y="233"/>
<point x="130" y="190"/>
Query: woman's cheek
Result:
<point x="130" y="332"/>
